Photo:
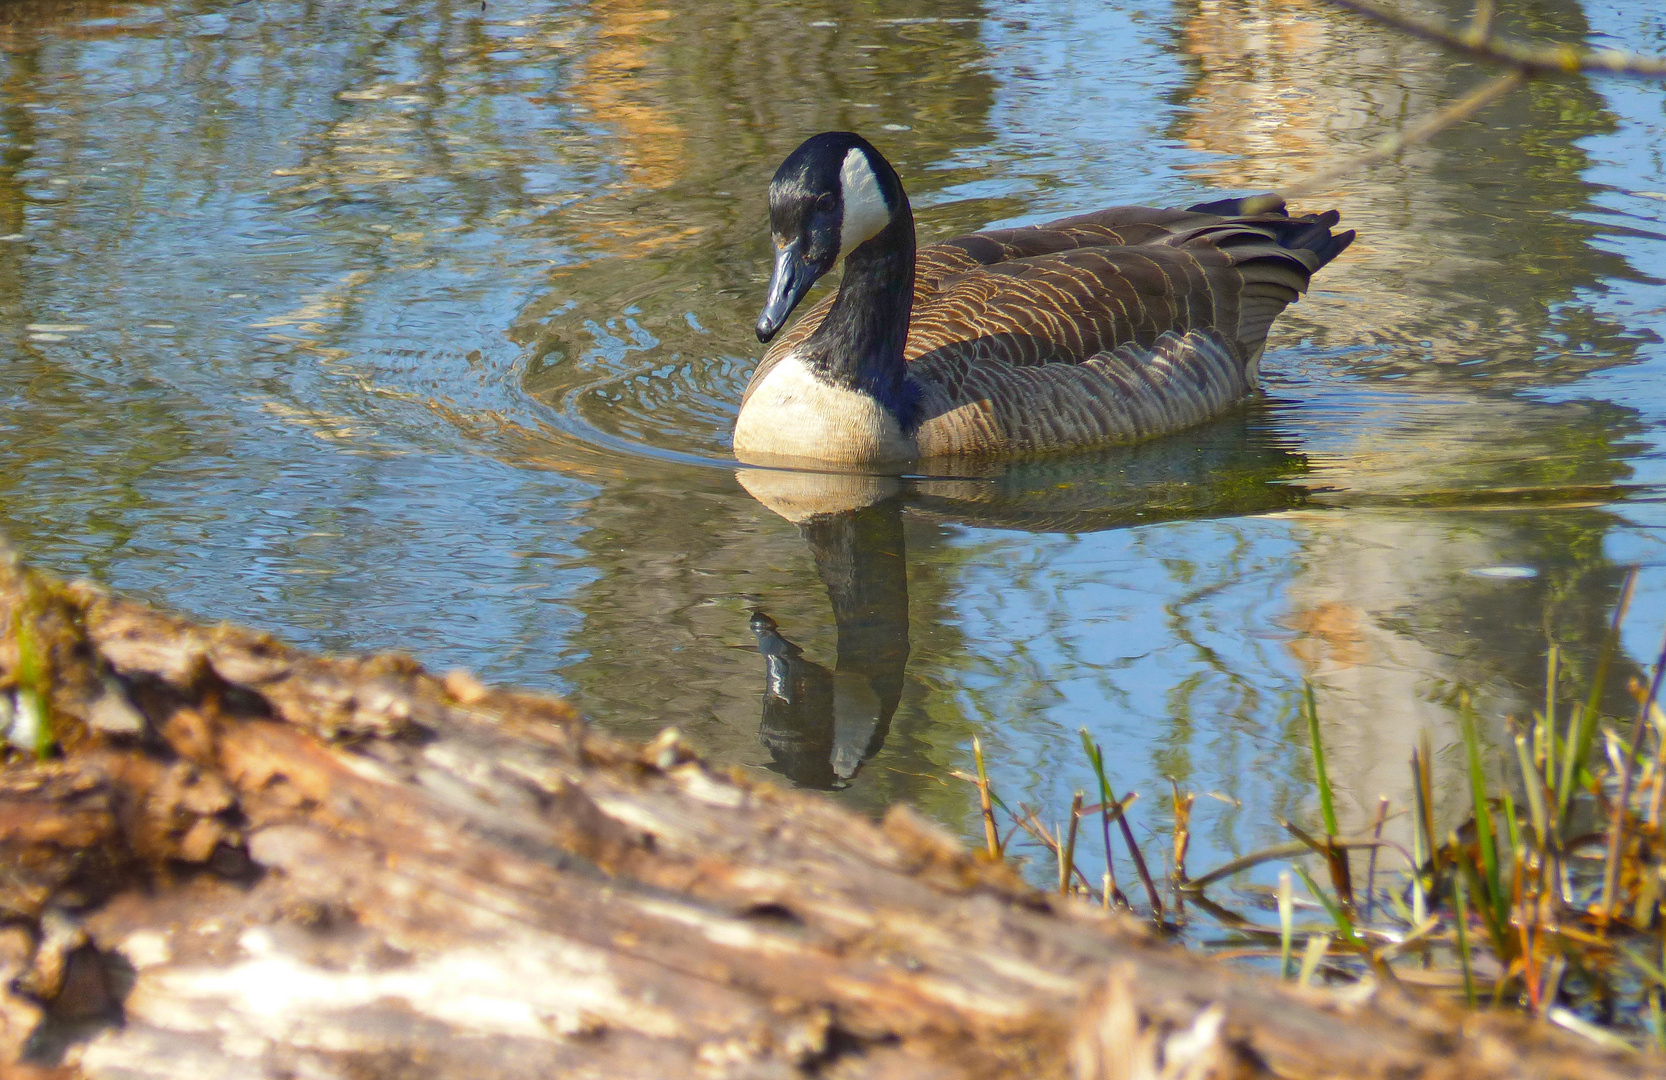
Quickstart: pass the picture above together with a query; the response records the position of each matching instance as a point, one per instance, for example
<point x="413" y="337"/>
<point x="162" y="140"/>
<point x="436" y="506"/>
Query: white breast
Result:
<point x="794" y="414"/>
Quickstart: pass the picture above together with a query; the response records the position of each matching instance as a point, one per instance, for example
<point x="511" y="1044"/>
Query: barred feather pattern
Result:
<point x="1124" y="395"/>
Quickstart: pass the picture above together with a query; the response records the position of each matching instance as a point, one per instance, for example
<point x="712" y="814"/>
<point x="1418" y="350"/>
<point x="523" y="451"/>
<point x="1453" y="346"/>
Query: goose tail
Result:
<point x="1318" y="238"/>
<point x="1312" y="232"/>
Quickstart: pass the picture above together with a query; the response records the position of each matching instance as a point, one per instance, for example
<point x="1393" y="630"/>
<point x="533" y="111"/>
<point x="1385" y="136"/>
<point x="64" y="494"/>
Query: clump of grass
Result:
<point x="31" y="727"/>
<point x="1547" y="898"/>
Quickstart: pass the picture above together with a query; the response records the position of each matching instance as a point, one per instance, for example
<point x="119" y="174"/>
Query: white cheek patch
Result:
<point x="864" y="204"/>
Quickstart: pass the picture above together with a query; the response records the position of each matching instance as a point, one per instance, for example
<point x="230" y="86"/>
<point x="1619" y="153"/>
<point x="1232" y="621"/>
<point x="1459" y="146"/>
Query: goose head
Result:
<point x="832" y="195"/>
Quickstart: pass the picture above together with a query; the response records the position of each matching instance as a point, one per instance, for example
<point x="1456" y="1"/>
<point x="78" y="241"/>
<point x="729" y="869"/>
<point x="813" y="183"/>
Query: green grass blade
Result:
<point x="1512" y="827"/>
<point x="1462" y="927"/>
<point x="1584" y="729"/>
<point x="1419" y="843"/>
<point x="1344" y="924"/>
<point x="1498" y="925"/>
<point x="1097" y="760"/>
<point x="1534" y="785"/>
<point x="1286" y="922"/>
<point x="1485" y="837"/>
<point x="1106" y="800"/>
<point x="1425" y="780"/>
<point x="1546" y="736"/>
<point x="1327" y="805"/>
<point x="1571" y="760"/>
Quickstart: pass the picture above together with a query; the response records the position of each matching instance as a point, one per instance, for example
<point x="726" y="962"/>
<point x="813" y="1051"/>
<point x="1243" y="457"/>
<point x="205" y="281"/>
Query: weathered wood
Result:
<point x="253" y="862"/>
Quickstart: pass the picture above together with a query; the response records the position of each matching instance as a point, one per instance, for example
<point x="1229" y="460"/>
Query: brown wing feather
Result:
<point x="1233" y="276"/>
<point x="1101" y="291"/>
<point x="1130" y="393"/>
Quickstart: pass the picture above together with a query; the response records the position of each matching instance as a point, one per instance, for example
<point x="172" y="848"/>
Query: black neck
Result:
<point x="859" y="346"/>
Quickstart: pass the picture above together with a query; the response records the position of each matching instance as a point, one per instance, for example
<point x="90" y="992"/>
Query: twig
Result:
<point x="1523" y="60"/>
<point x="1461" y="925"/>
<point x="1140" y="868"/>
<point x="1105" y="804"/>
<point x="1390" y="145"/>
<point x="1371" y="862"/>
<point x="1284" y="851"/>
<point x="1067" y="855"/>
<point x="1031" y="824"/>
<point x="1480" y="25"/>
<point x="1107" y="799"/>
<point x="1617" y="821"/>
<point x="1479" y="41"/>
<point x="991" y="837"/>
<point x="1182" y="841"/>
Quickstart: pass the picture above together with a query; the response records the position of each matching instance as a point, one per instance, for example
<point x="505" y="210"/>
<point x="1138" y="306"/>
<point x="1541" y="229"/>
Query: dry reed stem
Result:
<point x="1067" y="857"/>
<point x="991" y="837"/>
<point x="1182" y="842"/>
<point x="1617" y="822"/>
<point x="1371" y="862"/>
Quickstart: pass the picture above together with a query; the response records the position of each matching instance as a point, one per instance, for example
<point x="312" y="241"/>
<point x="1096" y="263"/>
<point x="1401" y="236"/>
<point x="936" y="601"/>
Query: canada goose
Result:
<point x="1108" y="327"/>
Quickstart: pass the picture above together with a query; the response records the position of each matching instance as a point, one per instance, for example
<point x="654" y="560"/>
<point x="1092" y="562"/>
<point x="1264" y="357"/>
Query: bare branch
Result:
<point x="1390" y="145"/>
<point x="1478" y="41"/>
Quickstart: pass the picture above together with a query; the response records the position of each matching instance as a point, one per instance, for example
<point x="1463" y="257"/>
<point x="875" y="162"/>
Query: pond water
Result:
<point x="422" y="327"/>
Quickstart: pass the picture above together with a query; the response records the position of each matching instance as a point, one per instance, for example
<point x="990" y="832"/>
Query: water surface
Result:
<point x="423" y="327"/>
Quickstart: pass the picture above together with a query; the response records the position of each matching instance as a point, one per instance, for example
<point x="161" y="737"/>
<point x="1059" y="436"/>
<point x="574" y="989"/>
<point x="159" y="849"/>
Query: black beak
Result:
<point x="793" y="276"/>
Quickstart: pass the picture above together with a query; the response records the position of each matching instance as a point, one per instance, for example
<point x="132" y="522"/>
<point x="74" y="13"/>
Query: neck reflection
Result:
<point x="819" y="725"/>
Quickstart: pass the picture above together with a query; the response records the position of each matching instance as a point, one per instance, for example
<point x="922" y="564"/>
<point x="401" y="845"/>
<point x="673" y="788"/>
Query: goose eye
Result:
<point x="824" y="201"/>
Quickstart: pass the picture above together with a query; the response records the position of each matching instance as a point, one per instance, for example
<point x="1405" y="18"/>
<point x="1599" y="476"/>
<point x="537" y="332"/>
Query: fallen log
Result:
<point x="247" y="861"/>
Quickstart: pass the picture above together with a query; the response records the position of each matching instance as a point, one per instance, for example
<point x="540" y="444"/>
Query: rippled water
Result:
<point x="422" y="327"/>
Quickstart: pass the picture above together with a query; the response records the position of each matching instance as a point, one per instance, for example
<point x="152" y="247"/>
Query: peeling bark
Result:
<point x="248" y="861"/>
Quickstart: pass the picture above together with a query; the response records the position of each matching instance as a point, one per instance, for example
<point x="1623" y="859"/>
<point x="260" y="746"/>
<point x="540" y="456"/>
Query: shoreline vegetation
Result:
<point x="224" y="854"/>
<point x="1547" y="898"/>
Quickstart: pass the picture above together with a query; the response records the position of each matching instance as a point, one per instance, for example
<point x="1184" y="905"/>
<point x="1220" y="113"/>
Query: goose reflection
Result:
<point x="821" y="725"/>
